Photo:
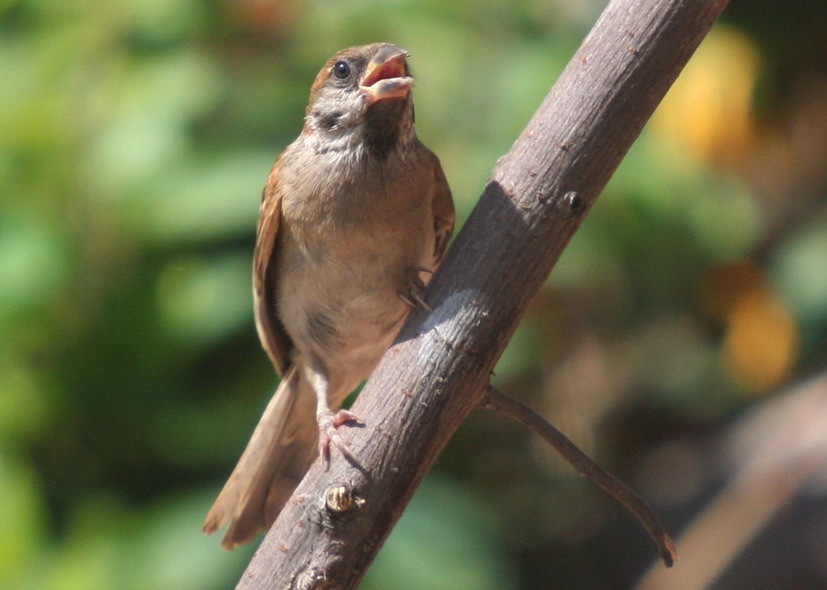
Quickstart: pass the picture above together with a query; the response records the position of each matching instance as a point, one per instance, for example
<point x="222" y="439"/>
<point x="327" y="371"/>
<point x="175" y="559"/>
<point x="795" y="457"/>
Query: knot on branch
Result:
<point x="342" y="500"/>
<point x="573" y="203"/>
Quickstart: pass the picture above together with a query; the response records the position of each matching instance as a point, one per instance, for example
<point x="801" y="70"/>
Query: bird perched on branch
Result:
<point x="355" y="217"/>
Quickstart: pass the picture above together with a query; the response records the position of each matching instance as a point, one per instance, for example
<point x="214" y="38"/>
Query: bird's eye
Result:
<point x="341" y="69"/>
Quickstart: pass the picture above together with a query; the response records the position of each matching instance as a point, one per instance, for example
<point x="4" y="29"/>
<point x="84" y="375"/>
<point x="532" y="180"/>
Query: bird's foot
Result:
<point x="415" y="295"/>
<point x="329" y="423"/>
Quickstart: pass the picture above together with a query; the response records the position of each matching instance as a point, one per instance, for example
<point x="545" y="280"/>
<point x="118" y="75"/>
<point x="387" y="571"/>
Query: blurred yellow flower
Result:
<point x="708" y="111"/>
<point x="761" y="337"/>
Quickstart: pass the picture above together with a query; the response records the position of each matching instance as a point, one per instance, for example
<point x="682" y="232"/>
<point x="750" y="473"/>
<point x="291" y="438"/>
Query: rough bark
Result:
<point x="437" y="371"/>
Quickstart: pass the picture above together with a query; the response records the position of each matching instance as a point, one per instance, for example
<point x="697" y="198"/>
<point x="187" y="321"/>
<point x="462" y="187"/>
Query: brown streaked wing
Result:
<point x="270" y="330"/>
<point x="443" y="211"/>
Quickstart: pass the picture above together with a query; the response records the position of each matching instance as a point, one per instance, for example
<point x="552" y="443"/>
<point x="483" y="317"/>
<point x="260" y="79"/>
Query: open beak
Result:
<point x="385" y="76"/>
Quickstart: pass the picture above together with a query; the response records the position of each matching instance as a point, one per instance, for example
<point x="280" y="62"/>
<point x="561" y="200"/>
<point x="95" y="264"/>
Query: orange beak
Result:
<point x="386" y="76"/>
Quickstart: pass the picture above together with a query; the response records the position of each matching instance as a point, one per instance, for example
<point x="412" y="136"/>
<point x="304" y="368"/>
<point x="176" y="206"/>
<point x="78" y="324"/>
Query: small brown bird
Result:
<point x="355" y="217"/>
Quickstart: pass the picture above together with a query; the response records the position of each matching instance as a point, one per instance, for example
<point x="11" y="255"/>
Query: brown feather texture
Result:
<point x="355" y="216"/>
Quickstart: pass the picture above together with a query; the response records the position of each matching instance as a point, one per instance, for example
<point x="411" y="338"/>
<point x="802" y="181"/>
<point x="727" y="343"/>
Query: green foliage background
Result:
<point x="135" y="136"/>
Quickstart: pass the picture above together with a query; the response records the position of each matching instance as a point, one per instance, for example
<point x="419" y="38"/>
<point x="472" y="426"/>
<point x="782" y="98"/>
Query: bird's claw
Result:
<point x="415" y="295"/>
<point x="329" y="423"/>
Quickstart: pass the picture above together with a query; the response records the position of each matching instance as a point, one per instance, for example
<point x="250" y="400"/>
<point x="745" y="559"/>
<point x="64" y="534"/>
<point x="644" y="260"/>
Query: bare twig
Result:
<point x="586" y="467"/>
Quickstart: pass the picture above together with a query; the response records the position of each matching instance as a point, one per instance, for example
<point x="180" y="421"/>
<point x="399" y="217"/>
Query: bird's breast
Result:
<point x="348" y="241"/>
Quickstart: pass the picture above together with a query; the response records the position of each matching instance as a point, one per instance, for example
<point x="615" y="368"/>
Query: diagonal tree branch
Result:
<point x="438" y="370"/>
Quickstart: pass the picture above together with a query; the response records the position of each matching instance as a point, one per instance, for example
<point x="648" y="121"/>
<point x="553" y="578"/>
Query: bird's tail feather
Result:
<point x="279" y="453"/>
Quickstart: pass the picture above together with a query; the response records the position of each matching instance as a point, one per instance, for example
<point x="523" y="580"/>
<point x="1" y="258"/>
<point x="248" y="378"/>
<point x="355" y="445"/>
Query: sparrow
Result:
<point x="355" y="217"/>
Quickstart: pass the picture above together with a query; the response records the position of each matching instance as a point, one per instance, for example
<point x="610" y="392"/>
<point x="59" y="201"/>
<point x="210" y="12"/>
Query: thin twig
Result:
<point x="586" y="467"/>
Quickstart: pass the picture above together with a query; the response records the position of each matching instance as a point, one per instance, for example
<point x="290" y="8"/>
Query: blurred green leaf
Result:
<point x="446" y="539"/>
<point x="798" y="269"/>
<point x="204" y="299"/>
<point x="214" y="199"/>
<point x="23" y="519"/>
<point x="34" y="261"/>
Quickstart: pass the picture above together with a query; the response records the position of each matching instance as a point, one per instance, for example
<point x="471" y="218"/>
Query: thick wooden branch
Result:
<point x="438" y="370"/>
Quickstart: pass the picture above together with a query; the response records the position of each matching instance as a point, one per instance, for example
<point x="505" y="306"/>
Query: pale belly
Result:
<point x="339" y="302"/>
